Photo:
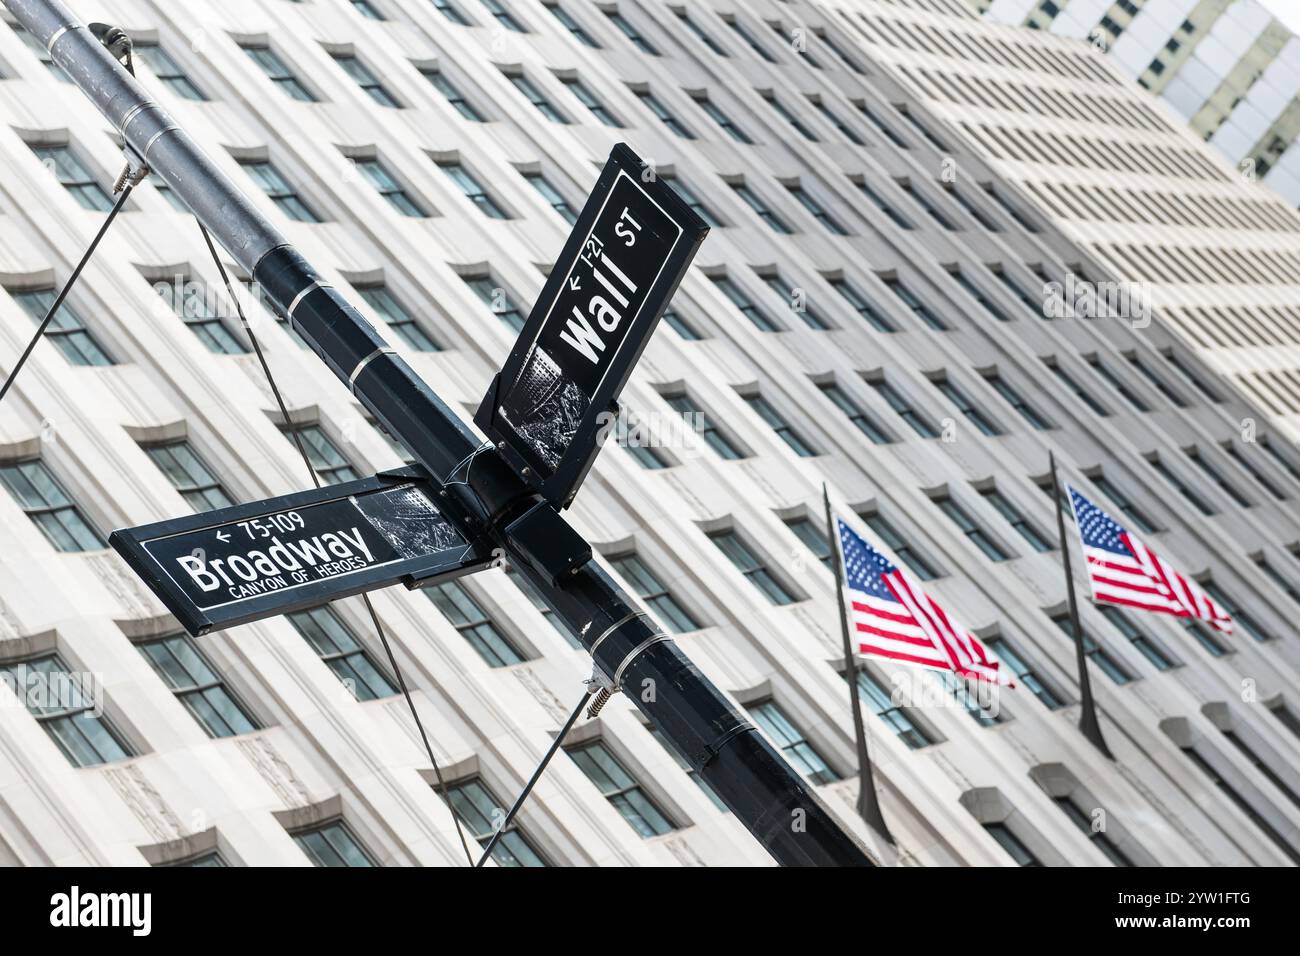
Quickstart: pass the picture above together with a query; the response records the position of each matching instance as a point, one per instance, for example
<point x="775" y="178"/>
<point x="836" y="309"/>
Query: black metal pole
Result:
<point x="1089" y="725"/>
<point x="868" y="803"/>
<point x="728" y="752"/>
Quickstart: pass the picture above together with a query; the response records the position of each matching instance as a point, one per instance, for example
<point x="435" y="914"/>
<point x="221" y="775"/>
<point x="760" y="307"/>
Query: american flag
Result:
<point x="894" y="619"/>
<point x="1123" y="570"/>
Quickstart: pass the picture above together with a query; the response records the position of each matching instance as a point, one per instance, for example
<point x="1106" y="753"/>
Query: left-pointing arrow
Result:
<point x="222" y="536"/>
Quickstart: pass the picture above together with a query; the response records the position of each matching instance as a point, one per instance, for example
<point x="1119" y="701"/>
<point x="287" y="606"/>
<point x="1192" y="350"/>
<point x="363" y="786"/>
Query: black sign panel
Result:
<point x="622" y="262"/>
<point x="249" y="562"/>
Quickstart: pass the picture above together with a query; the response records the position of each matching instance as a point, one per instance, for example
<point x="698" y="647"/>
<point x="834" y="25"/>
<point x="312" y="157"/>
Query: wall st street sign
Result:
<point x="242" y="564"/>
<point x="621" y="264"/>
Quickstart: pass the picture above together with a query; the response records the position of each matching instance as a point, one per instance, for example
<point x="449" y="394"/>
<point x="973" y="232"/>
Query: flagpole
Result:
<point x="1089" y="725"/>
<point x="868" y="805"/>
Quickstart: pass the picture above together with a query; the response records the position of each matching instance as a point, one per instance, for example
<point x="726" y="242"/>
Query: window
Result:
<point x="884" y="128"/>
<point x="544" y="609"/>
<point x="43" y="500"/>
<point x="1009" y="209"/>
<point x="1241" y="803"/>
<point x="504" y="16"/>
<point x="1159" y="383"/>
<point x="1026" y="674"/>
<point x="399" y="320"/>
<point x="1094" y="651"/>
<point x="695" y="416"/>
<point x="901" y="548"/>
<point x="1217" y="478"/>
<point x="763" y="210"/>
<point x="66" y="330"/>
<point x="378" y="176"/>
<point x="700" y="33"/>
<point x="745" y="304"/>
<point x="631" y="32"/>
<point x="1074" y="388"/>
<point x="41" y="53"/>
<point x="439" y="81"/>
<point x="654" y="593"/>
<point x="653" y="104"/>
<point x="569" y="23"/>
<point x="1274" y="575"/>
<point x="786" y="114"/>
<point x="335" y="644"/>
<point x="74" y="177"/>
<point x="896" y="717"/>
<point x="1135" y="514"/>
<point x="332" y="845"/>
<point x="534" y="96"/>
<point x="920" y="424"/>
<point x="976" y="293"/>
<point x="1192" y="377"/>
<point x="473" y="190"/>
<point x="818" y="211"/>
<point x="791" y="742"/>
<point x="1281" y="459"/>
<point x="1018" y="521"/>
<point x="890" y="212"/>
<point x="164" y="190"/>
<point x="1016" y="401"/>
<point x="269" y="180"/>
<point x="740" y="31"/>
<point x="748" y="564"/>
<point x="474" y="625"/>
<point x="919" y="308"/>
<point x="961" y="692"/>
<point x="658" y="735"/>
<point x="1098" y="837"/>
<point x="688" y="196"/>
<point x="189" y="301"/>
<point x="716" y="114"/>
<point x="189" y="475"/>
<point x="1239" y="615"/>
<point x="367" y="9"/>
<point x="1010" y="284"/>
<point x="552" y="196"/>
<point x="1130" y="397"/>
<point x="167" y="70"/>
<point x="975" y="212"/>
<point x="624" y="793"/>
<point x="848" y="132"/>
<point x="860" y="419"/>
<point x="1147" y="647"/>
<point x="365" y="79"/>
<point x="1011" y="843"/>
<point x="498" y="300"/>
<point x="638" y="443"/>
<point x="186" y="672"/>
<point x="1230" y="449"/>
<point x="1286" y="717"/>
<point x="973" y="532"/>
<point x="922" y="200"/>
<point x="68" y="712"/>
<point x="796" y="300"/>
<point x="588" y="99"/>
<point x="764" y="410"/>
<point x="479" y="810"/>
<point x="813" y="538"/>
<point x="1262" y="766"/>
<point x="452" y="12"/>
<point x="278" y="73"/>
<point x="922" y="129"/>
<point x="680" y="325"/>
<point x="955" y="395"/>
<point x="861" y="305"/>
<point x="1183" y="488"/>
<point x="327" y="461"/>
<point x="202" y="860"/>
<point x="835" y="48"/>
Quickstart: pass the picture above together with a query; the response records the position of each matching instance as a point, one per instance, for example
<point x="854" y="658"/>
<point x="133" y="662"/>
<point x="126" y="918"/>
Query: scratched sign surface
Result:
<point x="245" y="563"/>
<point x="626" y="254"/>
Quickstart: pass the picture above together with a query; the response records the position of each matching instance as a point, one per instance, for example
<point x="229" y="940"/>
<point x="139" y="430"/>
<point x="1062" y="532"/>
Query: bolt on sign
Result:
<point x="622" y="262"/>
<point x="248" y="562"/>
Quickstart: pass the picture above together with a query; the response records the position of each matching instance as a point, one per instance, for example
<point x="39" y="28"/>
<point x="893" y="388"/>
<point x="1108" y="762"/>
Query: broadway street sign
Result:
<point x="249" y="562"/>
<point x="621" y="264"/>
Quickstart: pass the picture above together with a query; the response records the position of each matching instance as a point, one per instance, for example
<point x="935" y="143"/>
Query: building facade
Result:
<point x="874" y="309"/>
<point x="1229" y="67"/>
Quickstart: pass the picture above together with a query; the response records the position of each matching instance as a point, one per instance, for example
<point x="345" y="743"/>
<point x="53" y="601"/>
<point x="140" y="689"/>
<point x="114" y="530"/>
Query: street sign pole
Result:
<point x="477" y="489"/>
